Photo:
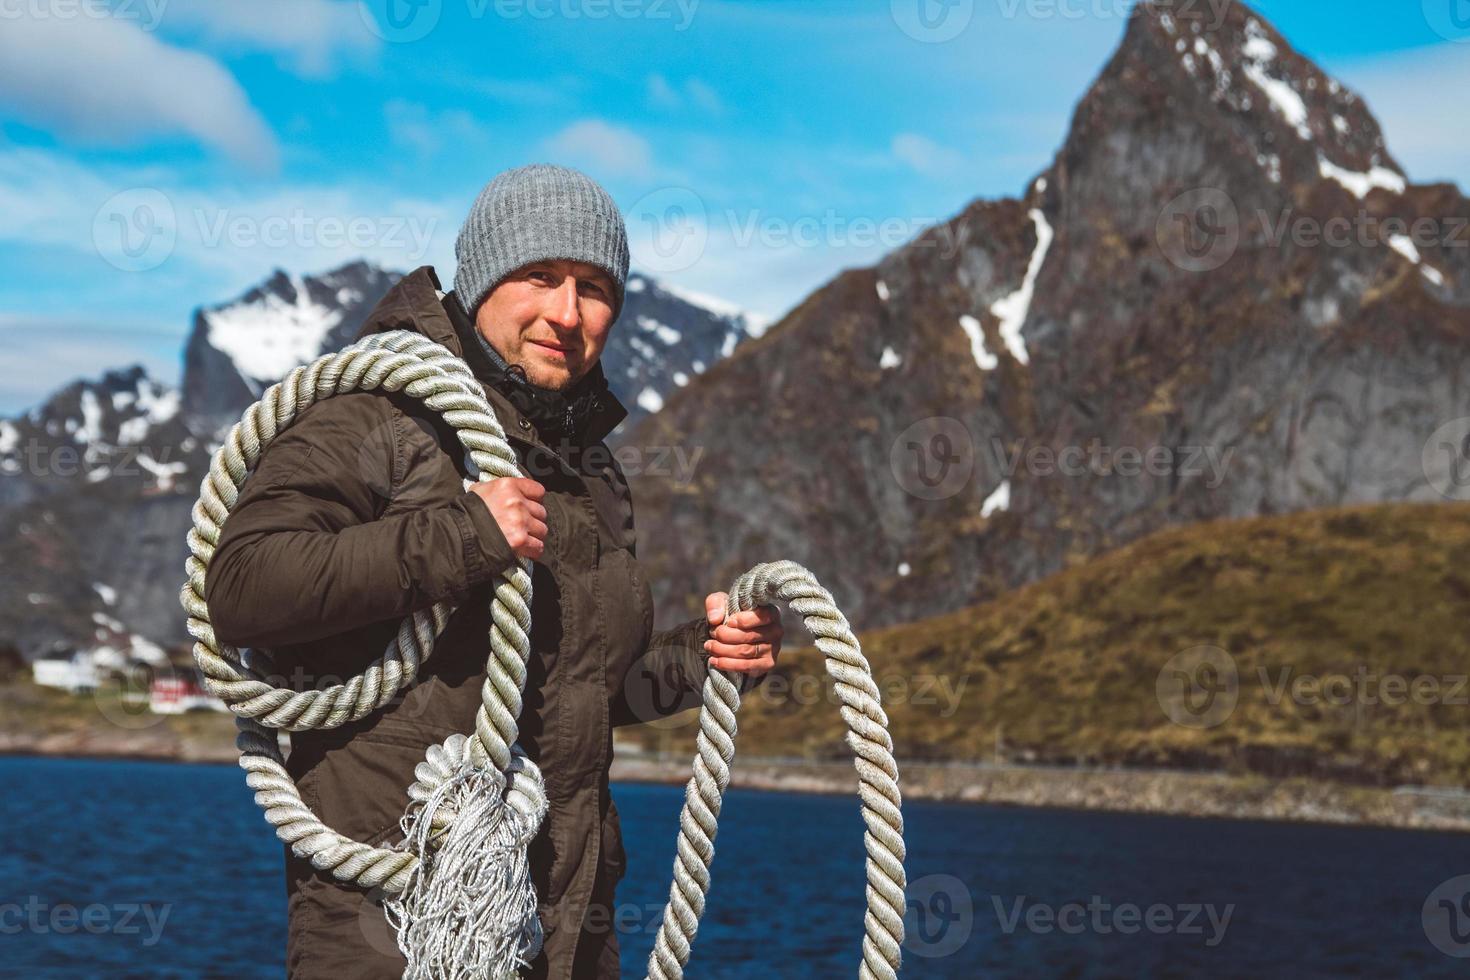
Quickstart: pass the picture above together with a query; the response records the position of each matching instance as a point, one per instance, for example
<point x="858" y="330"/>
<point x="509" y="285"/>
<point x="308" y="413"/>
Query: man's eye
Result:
<point x="595" y="287"/>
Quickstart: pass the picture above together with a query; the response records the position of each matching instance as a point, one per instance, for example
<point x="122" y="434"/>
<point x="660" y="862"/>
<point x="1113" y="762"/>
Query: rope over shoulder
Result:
<point x="461" y="900"/>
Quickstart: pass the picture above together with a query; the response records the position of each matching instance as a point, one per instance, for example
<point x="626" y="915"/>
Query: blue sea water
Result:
<point x="131" y="869"/>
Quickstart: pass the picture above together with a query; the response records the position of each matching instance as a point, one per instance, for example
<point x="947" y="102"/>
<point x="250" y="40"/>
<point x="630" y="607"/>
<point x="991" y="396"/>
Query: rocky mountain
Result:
<point x="99" y="480"/>
<point x="92" y="431"/>
<point x="95" y="489"/>
<point x="1223" y="297"/>
<point x="238" y="349"/>
<point x="664" y="338"/>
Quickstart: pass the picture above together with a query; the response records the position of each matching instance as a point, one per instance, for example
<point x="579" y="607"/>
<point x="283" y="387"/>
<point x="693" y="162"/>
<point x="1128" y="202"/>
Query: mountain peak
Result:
<point x="1172" y="288"/>
<point x="239" y="347"/>
<point x="124" y="379"/>
<point x="1228" y="73"/>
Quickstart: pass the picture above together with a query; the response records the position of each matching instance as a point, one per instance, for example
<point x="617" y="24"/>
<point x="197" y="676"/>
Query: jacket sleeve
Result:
<point x="669" y="677"/>
<point x="305" y="554"/>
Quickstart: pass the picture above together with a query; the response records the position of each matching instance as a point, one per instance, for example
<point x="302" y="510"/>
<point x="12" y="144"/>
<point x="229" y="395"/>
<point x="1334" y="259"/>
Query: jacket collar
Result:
<point x="417" y="302"/>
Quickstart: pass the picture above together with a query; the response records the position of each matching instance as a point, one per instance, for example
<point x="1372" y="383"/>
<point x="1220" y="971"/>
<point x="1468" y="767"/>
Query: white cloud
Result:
<point x="925" y="156"/>
<point x="308" y="35"/>
<point x="226" y="234"/>
<point x="704" y="97"/>
<point x="539" y="92"/>
<point x="603" y="148"/>
<point x="109" y="81"/>
<point x="47" y="199"/>
<point x="663" y="94"/>
<point x="428" y="132"/>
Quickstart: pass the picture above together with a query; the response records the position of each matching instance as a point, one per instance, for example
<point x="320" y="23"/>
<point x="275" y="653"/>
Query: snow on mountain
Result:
<point x="267" y="339"/>
<point x="1011" y="309"/>
<point x="239" y="348"/>
<point x="1253" y="71"/>
<point x="92" y="429"/>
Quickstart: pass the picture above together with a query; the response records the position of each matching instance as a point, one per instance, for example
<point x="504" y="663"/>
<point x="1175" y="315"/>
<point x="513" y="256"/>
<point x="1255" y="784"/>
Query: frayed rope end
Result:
<point x="469" y="910"/>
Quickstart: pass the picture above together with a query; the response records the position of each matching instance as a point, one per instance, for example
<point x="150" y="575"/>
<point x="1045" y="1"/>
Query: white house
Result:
<point x="76" y="673"/>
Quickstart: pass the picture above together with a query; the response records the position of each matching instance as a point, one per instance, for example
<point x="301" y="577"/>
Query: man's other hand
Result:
<point x="748" y="642"/>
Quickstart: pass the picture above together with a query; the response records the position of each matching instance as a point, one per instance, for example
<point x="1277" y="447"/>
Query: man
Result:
<point x="357" y="515"/>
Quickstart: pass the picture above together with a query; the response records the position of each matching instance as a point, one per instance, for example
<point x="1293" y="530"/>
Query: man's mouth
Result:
<point x="551" y="348"/>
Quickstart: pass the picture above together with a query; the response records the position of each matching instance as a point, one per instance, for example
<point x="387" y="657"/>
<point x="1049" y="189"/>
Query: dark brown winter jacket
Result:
<point x="355" y="517"/>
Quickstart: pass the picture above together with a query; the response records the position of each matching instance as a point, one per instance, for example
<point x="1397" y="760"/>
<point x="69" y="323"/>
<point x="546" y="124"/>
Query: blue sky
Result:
<point x="225" y="138"/>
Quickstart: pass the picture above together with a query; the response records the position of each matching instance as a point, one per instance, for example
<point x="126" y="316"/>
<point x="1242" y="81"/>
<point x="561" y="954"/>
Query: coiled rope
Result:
<point x="462" y="903"/>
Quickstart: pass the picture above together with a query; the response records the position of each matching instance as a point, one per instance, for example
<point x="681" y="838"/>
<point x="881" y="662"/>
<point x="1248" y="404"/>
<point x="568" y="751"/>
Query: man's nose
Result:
<point x="562" y="309"/>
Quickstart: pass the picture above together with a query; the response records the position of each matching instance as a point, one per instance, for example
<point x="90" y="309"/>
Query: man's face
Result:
<point x="552" y="318"/>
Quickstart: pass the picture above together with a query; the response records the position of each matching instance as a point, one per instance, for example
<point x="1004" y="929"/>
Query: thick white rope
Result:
<point x="872" y="748"/>
<point x="478" y="799"/>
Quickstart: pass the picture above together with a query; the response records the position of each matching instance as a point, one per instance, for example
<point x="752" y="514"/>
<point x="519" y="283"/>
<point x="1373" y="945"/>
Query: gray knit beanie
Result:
<point x="538" y="212"/>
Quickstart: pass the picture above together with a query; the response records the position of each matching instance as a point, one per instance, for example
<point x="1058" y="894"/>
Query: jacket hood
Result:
<point x="419" y="303"/>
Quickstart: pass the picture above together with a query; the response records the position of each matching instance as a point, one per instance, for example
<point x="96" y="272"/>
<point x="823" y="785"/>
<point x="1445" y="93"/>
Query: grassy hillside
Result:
<point x="1350" y="609"/>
